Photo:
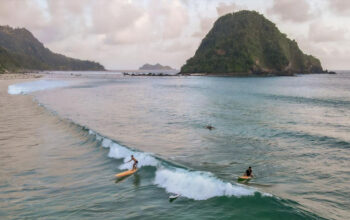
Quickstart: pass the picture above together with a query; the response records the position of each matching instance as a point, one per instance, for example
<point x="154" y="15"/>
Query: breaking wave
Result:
<point x="195" y="185"/>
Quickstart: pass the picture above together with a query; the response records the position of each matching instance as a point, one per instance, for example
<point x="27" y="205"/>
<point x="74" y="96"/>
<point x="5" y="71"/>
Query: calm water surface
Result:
<point x="59" y="158"/>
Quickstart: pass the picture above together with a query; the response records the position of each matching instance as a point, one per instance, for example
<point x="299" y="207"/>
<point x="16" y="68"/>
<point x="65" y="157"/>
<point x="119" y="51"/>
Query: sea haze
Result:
<point x="293" y="131"/>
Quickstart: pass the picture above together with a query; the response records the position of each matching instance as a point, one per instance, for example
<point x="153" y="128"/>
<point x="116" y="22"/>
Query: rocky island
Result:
<point x="245" y="43"/>
<point x="155" y="67"/>
<point x="21" y="51"/>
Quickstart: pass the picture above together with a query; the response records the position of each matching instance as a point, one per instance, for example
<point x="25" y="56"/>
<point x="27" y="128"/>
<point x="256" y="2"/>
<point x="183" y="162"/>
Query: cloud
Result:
<point x="295" y="11"/>
<point x="113" y="16"/>
<point x="138" y="32"/>
<point x="20" y="13"/>
<point x="118" y="32"/>
<point x="64" y="19"/>
<point x="330" y="54"/>
<point x="169" y="18"/>
<point x="176" y="18"/>
<point x="340" y="6"/>
<point x="129" y="33"/>
<point x="125" y="22"/>
<point x="320" y="32"/>
<point x="176" y="46"/>
<point x="224" y="8"/>
<point x="205" y="25"/>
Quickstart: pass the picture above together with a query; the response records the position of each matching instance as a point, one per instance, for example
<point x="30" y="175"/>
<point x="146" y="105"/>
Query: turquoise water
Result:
<point x="293" y="131"/>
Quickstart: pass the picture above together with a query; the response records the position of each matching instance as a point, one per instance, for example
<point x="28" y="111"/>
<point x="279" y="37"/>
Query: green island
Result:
<point x="155" y="67"/>
<point x="246" y="43"/>
<point x="20" y="51"/>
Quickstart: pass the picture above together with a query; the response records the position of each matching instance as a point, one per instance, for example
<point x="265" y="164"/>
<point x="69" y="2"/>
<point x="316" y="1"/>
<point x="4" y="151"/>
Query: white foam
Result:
<point x="119" y="152"/>
<point x="191" y="184"/>
<point x="106" y="142"/>
<point x="198" y="185"/>
<point x="28" y="87"/>
<point x="98" y="137"/>
<point x="267" y="194"/>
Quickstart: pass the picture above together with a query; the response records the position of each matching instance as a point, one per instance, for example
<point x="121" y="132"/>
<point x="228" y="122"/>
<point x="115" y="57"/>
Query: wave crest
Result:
<point x="198" y="185"/>
<point x="191" y="184"/>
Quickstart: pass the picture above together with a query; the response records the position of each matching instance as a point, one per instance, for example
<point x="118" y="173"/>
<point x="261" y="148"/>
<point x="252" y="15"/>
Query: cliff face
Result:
<point x="246" y="42"/>
<point x="19" y="49"/>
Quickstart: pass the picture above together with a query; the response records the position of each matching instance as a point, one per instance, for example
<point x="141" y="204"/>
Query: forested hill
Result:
<point x="20" y="50"/>
<point x="247" y="43"/>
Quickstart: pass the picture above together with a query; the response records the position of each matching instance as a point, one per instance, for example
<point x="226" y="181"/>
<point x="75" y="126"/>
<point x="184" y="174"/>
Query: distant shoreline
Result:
<point x="12" y="76"/>
<point x="251" y="74"/>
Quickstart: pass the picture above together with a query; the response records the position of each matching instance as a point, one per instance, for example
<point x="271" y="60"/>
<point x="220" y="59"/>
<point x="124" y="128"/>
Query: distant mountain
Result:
<point x="20" y="50"/>
<point x="155" y="67"/>
<point x="246" y="43"/>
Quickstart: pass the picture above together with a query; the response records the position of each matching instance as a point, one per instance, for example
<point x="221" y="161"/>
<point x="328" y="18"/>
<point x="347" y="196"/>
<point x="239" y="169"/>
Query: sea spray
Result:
<point x="119" y="152"/>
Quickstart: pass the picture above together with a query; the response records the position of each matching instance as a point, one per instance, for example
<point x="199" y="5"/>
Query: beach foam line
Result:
<point x="195" y="185"/>
<point x="28" y="87"/>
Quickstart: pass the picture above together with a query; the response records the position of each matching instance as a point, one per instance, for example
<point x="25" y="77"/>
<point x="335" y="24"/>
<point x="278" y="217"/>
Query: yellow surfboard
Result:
<point x="244" y="178"/>
<point x="126" y="173"/>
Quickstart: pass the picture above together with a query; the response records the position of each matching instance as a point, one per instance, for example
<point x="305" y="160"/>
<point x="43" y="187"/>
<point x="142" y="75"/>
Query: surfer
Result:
<point x="249" y="172"/>
<point x="134" y="166"/>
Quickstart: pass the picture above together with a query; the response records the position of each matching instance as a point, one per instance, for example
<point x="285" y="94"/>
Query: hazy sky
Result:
<point x="125" y="34"/>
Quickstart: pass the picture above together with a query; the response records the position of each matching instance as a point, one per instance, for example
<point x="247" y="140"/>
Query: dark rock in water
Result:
<point x="332" y="72"/>
<point x="147" y="74"/>
<point x="246" y="43"/>
<point x="209" y="127"/>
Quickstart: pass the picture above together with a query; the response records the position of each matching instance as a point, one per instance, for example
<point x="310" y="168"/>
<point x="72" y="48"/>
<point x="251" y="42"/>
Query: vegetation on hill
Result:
<point x="20" y="50"/>
<point x="246" y="42"/>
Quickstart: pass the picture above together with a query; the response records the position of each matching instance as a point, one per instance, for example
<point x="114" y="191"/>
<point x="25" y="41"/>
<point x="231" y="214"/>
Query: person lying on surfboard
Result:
<point x="249" y="172"/>
<point x="134" y="166"/>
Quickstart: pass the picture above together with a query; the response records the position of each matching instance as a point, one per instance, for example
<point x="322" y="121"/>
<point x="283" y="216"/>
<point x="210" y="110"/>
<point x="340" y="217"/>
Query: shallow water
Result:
<point x="293" y="131"/>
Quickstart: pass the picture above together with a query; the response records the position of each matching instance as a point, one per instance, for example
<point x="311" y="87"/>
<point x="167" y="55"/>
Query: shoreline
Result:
<point x="8" y="79"/>
<point x="251" y="74"/>
<point x="14" y="76"/>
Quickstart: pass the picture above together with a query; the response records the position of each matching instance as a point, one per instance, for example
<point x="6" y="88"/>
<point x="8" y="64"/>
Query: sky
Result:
<point x="125" y="34"/>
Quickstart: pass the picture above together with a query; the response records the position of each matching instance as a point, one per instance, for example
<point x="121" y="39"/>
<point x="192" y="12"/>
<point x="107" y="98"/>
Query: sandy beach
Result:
<point x="19" y="76"/>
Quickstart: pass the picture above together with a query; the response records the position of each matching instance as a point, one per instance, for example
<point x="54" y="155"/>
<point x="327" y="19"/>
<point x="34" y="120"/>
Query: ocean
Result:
<point x="63" y="138"/>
